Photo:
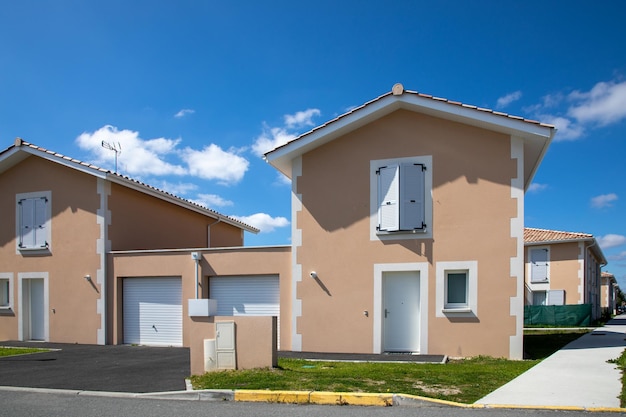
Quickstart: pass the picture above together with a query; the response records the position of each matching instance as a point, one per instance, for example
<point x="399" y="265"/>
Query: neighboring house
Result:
<point x="60" y="220"/>
<point x="408" y="228"/>
<point x="608" y="294"/>
<point x="563" y="268"/>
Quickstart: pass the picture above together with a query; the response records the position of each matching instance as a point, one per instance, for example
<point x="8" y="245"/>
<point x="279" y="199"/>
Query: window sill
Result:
<point x="34" y="251"/>
<point x="6" y="311"/>
<point x="545" y="281"/>
<point x="457" y="310"/>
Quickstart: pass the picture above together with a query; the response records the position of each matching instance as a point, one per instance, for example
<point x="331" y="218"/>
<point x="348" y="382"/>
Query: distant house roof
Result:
<point x="536" y="135"/>
<point x="534" y="236"/>
<point x="21" y="150"/>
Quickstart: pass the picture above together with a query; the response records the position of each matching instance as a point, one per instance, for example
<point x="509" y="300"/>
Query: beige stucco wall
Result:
<point x="140" y="221"/>
<point x="472" y="171"/>
<point x="72" y="301"/>
<point x="253" y="347"/>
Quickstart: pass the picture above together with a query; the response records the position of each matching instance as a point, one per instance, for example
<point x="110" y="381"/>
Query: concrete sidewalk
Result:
<point x="576" y="376"/>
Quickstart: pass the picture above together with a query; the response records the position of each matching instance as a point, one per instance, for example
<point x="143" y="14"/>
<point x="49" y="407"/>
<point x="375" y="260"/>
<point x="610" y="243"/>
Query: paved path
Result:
<point x="577" y="375"/>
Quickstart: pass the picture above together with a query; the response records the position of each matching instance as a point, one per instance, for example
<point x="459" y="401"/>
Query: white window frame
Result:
<point x="47" y="195"/>
<point x="530" y="264"/>
<point x="7" y="277"/>
<point x="424" y="233"/>
<point x="447" y="304"/>
<point x="443" y="309"/>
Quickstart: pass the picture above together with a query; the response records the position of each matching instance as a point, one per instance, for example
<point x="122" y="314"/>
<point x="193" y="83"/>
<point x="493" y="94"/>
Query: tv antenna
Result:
<point x="117" y="148"/>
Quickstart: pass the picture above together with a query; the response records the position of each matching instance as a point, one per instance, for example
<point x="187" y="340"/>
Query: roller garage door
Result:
<point x="246" y="295"/>
<point x="153" y="311"/>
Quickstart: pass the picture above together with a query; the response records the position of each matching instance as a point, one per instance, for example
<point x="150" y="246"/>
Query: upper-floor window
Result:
<point x="33" y="221"/>
<point x="400" y="197"/>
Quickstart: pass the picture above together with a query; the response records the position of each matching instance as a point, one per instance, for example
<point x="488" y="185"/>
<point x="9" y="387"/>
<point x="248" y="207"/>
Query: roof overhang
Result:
<point x="536" y="136"/>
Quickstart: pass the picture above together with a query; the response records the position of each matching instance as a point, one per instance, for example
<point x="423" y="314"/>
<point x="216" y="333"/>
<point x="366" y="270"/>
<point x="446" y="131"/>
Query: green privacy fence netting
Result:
<point x="566" y="315"/>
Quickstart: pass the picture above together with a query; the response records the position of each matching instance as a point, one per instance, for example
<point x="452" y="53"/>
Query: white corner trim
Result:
<point x="379" y="269"/>
<point x="103" y="245"/>
<point x="296" y="242"/>
<point x="517" y="262"/>
<point x="581" y="273"/>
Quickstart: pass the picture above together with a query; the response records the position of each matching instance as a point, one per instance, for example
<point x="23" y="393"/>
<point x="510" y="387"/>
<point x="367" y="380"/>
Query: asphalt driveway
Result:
<point x="97" y="368"/>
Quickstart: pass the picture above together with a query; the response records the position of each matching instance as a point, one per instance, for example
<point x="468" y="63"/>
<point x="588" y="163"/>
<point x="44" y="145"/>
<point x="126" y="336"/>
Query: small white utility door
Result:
<point x="401" y="311"/>
<point x="153" y="311"/>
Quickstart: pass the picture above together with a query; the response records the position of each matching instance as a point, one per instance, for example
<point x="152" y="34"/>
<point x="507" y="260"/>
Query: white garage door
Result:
<point x="153" y="312"/>
<point x="246" y="296"/>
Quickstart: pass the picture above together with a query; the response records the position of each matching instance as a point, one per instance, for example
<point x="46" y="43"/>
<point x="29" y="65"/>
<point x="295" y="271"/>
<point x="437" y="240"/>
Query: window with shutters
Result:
<point x="33" y="221"/>
<point x="400" y="197"/>
<point x="539" y="264"/>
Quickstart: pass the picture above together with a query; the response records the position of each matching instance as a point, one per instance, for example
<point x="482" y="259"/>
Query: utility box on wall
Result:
<point x="225" y="345"/>
<point x="202" y="307"/>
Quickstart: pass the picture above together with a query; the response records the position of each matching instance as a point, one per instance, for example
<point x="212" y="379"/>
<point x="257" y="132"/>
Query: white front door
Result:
<point x="401" y="311"/>
<point x="33" y="302"/>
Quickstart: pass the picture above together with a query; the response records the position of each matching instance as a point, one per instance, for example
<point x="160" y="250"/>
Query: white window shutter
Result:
<point x="412" y="197"/>
<point x="556" y="297"/>
<point x="388" y="198"/>
<point x="40" y="211"/>
<point x="539" y="265"/>
<point x="27" y="233"/>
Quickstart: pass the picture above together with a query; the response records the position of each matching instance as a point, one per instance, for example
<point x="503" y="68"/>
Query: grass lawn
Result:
<point x="459" y="380"/>
<point x="12" y="351"/>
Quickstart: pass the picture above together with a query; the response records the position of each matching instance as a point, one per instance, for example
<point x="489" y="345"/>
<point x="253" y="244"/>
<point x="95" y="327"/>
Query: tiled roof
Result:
<point x="110" y="174"/>
<point x="422" y="95"/>
<point x="532" y="235"/>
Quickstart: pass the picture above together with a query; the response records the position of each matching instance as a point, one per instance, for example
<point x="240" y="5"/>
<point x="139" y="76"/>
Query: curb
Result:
<point x="308" y="397"/>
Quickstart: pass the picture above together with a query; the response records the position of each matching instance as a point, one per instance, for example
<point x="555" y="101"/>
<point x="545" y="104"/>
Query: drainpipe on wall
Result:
<point x="209" y="231"/>
<point x="196" y="257"/>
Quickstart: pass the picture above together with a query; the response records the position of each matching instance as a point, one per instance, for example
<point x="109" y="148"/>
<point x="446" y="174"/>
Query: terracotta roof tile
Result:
<point x="532" y="235"/>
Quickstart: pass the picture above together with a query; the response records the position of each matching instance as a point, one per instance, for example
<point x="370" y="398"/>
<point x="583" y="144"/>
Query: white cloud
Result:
<point x="183" y="113"/>
<point x="508" y="99"/>
<point x="535" y="187"/>
<point x="213" y="163"/>
<point x="273" y="137"/>
<point x="138" y="156"/>
<point x="604" y="104"/>
<point x="178" y="189"/>
<point x="301" y="118"/>
<point x="611" y="241"/>
<point x="566" y="128"/>
<point x="211" y="201"/>
<point x="264" y="222"/>
<point x="618" y="257"/>
<point x="604" y="200"/>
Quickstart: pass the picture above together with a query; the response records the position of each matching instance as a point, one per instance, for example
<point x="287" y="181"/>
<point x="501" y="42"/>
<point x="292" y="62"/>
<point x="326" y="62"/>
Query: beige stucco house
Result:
<point x="408" y="227"/>
<point x="563" y="268"/>
<point x="407" y="236"/>
<point x="61" y="219"/>
<point x="608" y="294"/>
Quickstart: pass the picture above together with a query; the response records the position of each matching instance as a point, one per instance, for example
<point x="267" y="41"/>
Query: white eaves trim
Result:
<point x="536" y="136"/>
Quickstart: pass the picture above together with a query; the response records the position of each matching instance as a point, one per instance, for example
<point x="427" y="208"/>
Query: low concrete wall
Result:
<point x="255" y="339"/>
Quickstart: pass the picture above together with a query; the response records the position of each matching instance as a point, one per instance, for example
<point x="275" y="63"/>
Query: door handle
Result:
<point x="386" y="313"/>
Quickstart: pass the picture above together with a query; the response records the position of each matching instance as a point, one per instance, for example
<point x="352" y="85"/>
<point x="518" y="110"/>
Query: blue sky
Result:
<point x="194" y="91"/>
